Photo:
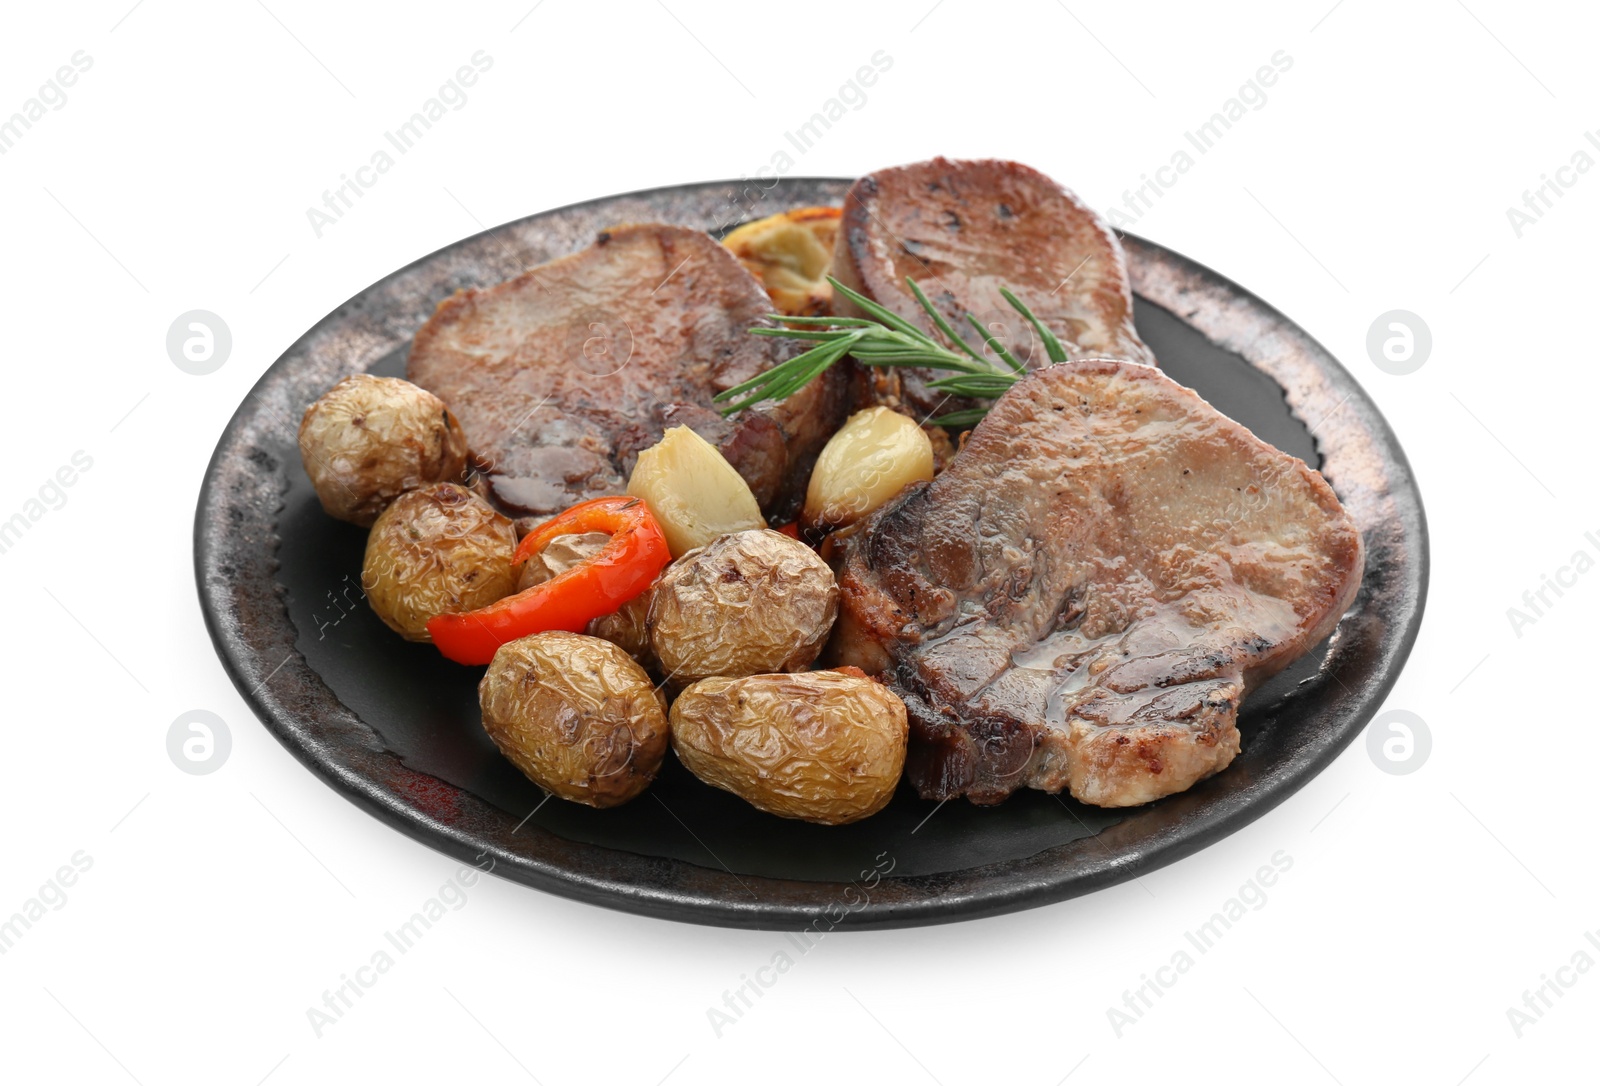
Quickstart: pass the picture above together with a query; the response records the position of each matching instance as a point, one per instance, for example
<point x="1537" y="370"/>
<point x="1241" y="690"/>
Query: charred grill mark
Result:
<point x="1168" y="662"/>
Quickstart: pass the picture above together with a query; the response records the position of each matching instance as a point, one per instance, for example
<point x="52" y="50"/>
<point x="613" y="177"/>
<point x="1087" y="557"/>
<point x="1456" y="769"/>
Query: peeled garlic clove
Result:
<point x="875" y="455"/>
<point x="693" y="492"/>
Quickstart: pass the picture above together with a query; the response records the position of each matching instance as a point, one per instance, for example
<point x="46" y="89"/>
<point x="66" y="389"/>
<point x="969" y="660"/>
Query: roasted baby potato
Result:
<point x="791" y="253"/>
<point x="624" y="627"/>
<point x="743" y="604"/>
<point x="370" y="439"/>
<point x="435" y="551"/>
<point x="559" y="555"/>
<point x="693" y="492"/>
<point x="823" y="746"/>
<point x="876" y="454"/>
<point x="576" y="715"/>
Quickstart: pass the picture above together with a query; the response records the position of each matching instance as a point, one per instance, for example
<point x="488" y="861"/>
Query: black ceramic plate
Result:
<point x="395" y="728"/>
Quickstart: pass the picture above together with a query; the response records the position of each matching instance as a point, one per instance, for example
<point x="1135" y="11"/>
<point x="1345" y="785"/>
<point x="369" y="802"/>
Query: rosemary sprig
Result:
<point x="884" y="338"/>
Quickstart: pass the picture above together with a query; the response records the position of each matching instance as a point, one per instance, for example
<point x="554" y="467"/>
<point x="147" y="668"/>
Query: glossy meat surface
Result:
<point x="561" y="376"/>
<point x="1083" y="597"/>
<point x="964" y="229"/>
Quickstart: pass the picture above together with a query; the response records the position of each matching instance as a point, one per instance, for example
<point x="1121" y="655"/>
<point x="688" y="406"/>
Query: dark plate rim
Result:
<point x="678" y="890"/>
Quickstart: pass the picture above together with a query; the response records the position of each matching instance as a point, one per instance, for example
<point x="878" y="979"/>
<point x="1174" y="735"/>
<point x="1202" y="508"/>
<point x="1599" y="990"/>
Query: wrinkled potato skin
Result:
<point x="370" y="439"/>
<point x="576" y="715"/>
<point x="624" y="627"/>
<point x="744" y="604"/>
<point x="559" y="555"/>
<point x="822" y="746"/>
<point x="627" y="628"/>
<point x="436" y="551"/>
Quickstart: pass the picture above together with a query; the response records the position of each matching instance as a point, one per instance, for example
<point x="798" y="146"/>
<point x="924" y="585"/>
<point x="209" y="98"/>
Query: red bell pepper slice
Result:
<point x="625" y="567"/>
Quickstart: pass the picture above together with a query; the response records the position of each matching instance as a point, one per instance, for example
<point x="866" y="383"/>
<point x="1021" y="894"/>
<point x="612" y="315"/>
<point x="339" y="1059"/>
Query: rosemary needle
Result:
<point x="884" y="338"/>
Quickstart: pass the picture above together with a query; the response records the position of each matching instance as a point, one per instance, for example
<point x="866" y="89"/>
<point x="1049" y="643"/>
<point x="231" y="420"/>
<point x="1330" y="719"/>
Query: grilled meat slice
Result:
<point x="1081" y="599"/>
<point x="561" y="376"/>
<point x="964" y="229"/>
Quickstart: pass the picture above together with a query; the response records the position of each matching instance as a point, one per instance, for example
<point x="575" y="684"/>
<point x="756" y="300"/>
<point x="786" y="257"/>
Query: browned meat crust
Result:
<point x="1081" y="599"/>
<point x="561" y="376"/>
<point x="962" y="230"/>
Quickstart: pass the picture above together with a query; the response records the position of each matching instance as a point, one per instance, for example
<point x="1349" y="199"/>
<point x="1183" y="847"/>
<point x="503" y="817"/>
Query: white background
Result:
<point x="219" y="908"/>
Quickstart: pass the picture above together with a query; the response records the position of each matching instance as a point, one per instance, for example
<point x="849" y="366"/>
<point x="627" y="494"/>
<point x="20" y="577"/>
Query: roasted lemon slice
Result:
<point x="791" y="254"/>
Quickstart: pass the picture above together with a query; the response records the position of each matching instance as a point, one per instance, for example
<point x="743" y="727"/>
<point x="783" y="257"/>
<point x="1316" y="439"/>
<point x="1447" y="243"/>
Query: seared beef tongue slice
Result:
<point x="1081" y="599"/>
<point x="561" y="376"/>
<point x="963" y="230"/>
